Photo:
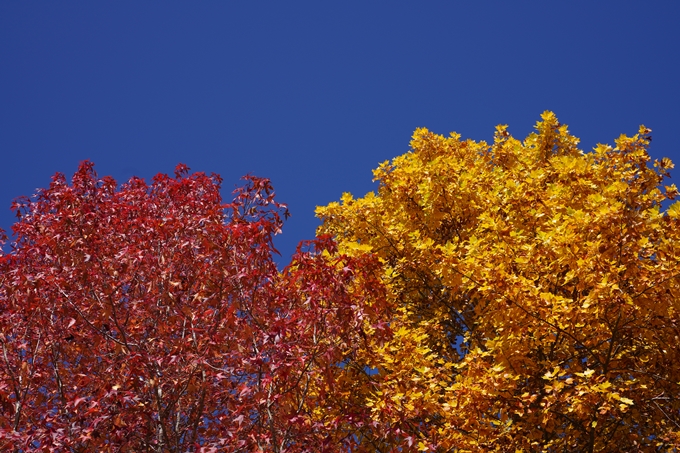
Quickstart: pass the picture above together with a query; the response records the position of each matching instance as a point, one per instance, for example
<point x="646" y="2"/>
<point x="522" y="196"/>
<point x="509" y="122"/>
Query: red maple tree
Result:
<point x="152" y="317"/>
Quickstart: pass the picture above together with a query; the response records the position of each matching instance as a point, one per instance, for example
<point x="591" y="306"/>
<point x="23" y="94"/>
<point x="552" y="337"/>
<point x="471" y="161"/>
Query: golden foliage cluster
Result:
<point x="536" y="294"/>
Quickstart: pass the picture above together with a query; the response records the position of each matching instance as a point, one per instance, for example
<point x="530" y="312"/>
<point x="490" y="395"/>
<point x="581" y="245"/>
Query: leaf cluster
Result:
<point x="153" y="318"/>
<point x="536" y="290"/>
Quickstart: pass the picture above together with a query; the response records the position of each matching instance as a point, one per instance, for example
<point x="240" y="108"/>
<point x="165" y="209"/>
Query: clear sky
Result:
<point x="313" y="95"/>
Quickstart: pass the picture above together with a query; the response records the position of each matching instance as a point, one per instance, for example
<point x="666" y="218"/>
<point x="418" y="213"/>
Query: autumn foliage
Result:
<point x="152" y="318"/>
<point x="520" y="296"/>
<point x="537" y="290"/>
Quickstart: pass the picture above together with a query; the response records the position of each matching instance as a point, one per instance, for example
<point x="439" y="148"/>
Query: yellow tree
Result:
<point x="537" y="294"/>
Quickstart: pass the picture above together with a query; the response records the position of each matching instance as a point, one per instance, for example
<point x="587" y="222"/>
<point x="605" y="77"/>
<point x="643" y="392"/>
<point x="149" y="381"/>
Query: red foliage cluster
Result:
<point x="153" y="318"/>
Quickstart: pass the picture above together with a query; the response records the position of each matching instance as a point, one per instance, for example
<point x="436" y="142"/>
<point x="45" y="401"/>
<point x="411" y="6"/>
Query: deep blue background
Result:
<point x="315" y="94"/>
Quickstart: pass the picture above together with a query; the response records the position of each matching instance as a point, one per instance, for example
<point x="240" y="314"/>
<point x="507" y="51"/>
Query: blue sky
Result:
<point x="313" y="95"/>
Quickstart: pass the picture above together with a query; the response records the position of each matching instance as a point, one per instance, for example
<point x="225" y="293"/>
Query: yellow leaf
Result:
<point x="586" y="373"/>
<point x="627" y="401"/>
<point x="673" y="210"/>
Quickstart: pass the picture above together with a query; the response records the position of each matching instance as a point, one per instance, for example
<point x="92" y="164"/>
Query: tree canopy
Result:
<point x="519" y="296"/>
<point x="536" y="291"/>
<point x="152" y="318"/>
